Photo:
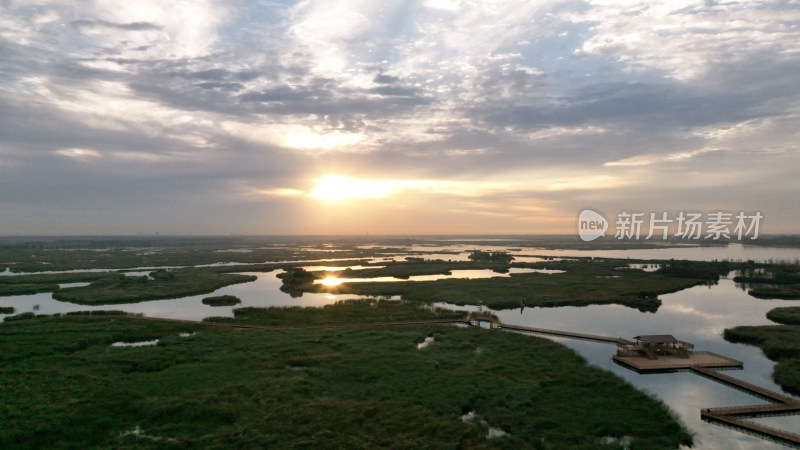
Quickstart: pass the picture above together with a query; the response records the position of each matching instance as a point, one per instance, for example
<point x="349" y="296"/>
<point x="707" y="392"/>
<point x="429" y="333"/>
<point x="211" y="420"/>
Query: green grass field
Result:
<point x="130" y="289"/>
<point x="584" y="282"/>
<point x="63" y="385"/>
<point x="341" y="312"/>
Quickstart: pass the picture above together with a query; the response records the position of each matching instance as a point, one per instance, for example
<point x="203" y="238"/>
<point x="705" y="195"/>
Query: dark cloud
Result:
<point x="285" y="94"/>
<point x="86" y="24"/>
<point x="396" y="91"/>
<point x="221" y="86"/>
<point x="385" y="79"/>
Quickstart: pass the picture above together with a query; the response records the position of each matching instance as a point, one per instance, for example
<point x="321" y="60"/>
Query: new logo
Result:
<point x="591" y="225"/>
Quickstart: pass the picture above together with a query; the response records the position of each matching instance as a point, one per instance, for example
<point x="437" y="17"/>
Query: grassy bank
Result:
<point x="345" y="311"/>
<point x="786" y="315"/>
<point x="61" y="384"/>
<point x="780" y="343"/>
<point x="790" y="292"/>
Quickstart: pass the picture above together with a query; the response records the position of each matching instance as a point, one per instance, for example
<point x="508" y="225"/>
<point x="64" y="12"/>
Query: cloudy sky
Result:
<point x="393" y="117"/>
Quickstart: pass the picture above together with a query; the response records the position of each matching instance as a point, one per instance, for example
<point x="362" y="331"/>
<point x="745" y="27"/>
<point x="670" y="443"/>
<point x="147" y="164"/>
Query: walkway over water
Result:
<point x="727" y="416"/>
<point x="475" y="320"/>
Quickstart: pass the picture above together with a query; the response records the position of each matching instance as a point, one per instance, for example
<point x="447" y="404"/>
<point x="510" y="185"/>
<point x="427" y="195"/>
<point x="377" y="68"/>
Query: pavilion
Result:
<point x="654" y="345"/>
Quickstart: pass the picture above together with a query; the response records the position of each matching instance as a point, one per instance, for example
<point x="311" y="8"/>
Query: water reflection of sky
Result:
<point x="472" y="274"/>
<point x="697" y="315"/>
<point x="265" y="291"/>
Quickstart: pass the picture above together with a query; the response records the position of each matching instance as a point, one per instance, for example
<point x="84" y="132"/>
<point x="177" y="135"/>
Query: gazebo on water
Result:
<point x="654" y="345"/>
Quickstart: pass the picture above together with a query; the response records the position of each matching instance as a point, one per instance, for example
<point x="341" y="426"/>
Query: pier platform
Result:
<point x="665" y="363"/>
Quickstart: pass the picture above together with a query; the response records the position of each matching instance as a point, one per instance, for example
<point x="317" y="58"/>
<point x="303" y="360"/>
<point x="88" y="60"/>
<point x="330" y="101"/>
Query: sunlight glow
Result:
<point x="343" y="188"/>
<point x="306" y="139"/>
<point x="331" y="281"/>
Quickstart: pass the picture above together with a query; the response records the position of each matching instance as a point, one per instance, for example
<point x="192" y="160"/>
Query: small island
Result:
<point x="222" y="300"/>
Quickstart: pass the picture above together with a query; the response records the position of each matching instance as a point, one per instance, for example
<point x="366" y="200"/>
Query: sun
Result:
<point x="331" y="281"/>
<point x="338" y="188"/>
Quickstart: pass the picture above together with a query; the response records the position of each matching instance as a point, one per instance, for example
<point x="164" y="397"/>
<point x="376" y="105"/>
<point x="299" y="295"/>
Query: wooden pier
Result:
<point x="756" y="429"/>
<point x="569" y="334"/>
<point x="643" y="364"/>
<point x="732" y="416"/>
<point x="744" y="386"/>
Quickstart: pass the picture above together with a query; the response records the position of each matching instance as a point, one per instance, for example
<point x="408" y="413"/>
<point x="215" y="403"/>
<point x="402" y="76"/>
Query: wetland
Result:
<point x="52" y="292"/>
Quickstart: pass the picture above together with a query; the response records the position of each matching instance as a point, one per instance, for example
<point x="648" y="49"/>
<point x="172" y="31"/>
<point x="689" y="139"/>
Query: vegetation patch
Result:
<point x="22" y="316"/>
<point x="341" y="312"/>
<point x="790" y="292"/>
<point x="780" y="343"/>
<point x="222" y="300"/>
<point x="102" y="312"/>
<point x="705" y="270"/>
<point x="35" y="283"/>
<point x="584" y="282"/>
<point x="286" y="388"/>
<point x="160" y="285"/>
<point x="787" y="315"/>
<point x="26" y="289"/>
<point x="478" y="255"/>
<point x="772" y="280"/>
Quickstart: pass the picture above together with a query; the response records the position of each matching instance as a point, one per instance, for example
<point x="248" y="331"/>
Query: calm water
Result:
<point x="265" y="291"/>
<point x="471" y="274"/>
<point x="733" y="252"/>
<point x="697" y="315"/>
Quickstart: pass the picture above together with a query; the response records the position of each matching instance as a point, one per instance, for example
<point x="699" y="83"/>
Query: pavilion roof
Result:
<point x="657" y="339"/>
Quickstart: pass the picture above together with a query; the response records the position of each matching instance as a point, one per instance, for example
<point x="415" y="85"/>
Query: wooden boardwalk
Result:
<point x="732" y="416"/>
<point x="568" y="334"/>
<point x="743" y="385"/>
<point x="756" y="429"/>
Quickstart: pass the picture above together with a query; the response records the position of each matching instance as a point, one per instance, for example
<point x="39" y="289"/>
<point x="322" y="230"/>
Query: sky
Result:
<point x="393" y="117"/>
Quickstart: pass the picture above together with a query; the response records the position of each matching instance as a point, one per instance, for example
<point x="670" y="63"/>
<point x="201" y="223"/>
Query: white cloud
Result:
<point x="647" y="160"/>
<point x="142" y="29"/>
<point x="685" y="39"/>
<point x="80" y="154"/>
<point x="298" y="137"/>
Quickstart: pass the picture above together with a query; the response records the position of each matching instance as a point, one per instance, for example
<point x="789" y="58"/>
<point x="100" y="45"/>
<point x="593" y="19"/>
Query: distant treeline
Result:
<point x="478" y="255"/>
